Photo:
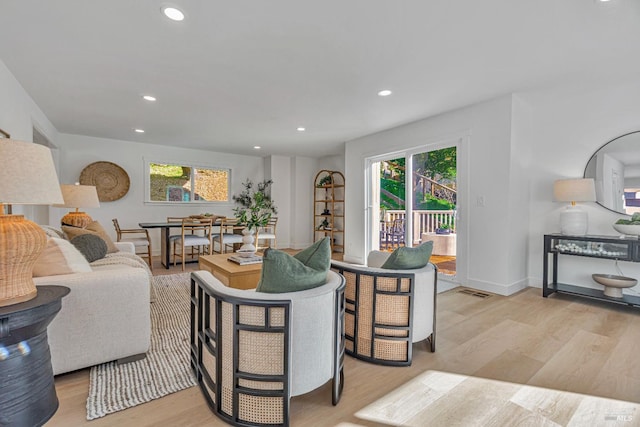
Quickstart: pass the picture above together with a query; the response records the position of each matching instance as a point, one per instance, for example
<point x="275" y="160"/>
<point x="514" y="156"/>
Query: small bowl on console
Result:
<point x="613" y="285"/>
<point x="627" y="229"/>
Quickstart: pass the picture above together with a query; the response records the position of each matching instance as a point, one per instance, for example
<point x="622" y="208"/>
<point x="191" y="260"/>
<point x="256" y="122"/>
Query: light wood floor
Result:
<point x="560" y="342"/>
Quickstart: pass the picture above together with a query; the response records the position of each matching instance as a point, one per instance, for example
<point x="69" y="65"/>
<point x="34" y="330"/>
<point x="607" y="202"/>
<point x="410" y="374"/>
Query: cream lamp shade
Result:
<point x="78" y="196"/>
<point x="28" y="177"/>
<point x="573" y="220"/>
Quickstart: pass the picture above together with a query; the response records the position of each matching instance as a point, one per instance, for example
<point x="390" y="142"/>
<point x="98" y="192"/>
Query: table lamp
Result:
<point x="78" y="196"/>
<point x="28" y="177"/>
<point x="573" y="220"/>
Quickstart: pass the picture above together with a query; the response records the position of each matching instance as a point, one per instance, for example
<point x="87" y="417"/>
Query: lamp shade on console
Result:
<point x="574" y="220"/>
<point x="78" y="196"/>
<point x="28" y="177"/>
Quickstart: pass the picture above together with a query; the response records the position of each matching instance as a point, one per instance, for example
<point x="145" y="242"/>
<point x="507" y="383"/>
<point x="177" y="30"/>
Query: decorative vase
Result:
<point x="247" y="239"/>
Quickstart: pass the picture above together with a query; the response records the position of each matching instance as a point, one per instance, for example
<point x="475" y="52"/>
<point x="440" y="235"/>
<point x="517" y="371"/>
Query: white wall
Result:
<point x="19" y="114"/>
<point x="77" y="152"/>
<point x="278" y="168"/>
<point x="569" y="125"/>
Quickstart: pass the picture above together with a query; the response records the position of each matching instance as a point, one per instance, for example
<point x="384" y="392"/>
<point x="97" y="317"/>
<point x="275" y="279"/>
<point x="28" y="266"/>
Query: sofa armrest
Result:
<point x="126" y="247"/>
<point x="106" y="316"/>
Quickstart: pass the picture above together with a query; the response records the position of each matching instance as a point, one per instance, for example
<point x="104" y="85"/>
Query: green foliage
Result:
<point x="255" y="206"/>
<point x="635" y="220"/>
<point x="325" y="180"/>
<point x="172" y="171"/>
<point x="437" y="164"/>
<point x="434" y="204"/>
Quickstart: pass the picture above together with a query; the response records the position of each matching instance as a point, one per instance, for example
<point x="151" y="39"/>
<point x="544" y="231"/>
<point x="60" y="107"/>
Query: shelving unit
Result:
<point x="328" y="208"/>
<point x="603" y="247"/>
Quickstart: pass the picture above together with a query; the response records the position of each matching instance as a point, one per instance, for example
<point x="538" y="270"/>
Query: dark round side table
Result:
<point x="27" y="389"/>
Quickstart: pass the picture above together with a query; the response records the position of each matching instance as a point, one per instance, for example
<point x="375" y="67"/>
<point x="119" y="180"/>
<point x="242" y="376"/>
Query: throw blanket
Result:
<point x="132" y="260"/>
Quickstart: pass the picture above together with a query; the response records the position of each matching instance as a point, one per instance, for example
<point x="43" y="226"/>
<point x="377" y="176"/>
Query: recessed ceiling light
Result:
<point x="257" y="147"/>
<point x="139" y="130"/>
<point x="148" y="98"/>
<point x="301" y="129"/>
<point x="385" y="92"/>
<point x="173" y="13"/>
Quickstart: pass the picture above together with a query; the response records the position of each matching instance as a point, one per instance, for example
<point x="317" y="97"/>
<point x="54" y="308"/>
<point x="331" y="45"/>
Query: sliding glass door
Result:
<point x="413" y="198"/>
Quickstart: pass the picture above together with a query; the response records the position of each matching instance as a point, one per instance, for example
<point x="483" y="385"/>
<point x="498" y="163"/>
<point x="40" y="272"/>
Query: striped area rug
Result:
<point x="166" y="368"/>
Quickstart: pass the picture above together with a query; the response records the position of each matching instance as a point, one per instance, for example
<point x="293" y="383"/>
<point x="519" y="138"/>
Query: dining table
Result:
<point x="165" y="240"/>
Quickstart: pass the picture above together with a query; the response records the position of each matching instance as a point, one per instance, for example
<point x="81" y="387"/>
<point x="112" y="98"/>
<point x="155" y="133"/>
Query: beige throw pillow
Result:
<point x="93" y="228"/>
<point x="60" y="257"/>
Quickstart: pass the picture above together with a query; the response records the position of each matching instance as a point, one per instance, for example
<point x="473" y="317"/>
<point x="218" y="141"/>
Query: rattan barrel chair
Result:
<point x="138" y="236"/>
<point x="252" y="351"/>
<point x="386" y="311"/>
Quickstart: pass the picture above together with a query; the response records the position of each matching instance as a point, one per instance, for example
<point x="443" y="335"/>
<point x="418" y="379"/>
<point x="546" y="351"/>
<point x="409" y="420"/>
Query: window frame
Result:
<point x="192" y="165"/>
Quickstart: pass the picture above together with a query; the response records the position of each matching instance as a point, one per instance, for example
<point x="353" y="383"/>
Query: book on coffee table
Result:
<point x="255" y="259"/>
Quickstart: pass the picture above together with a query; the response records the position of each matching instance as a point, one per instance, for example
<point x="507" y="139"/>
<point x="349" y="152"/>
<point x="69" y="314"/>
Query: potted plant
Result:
<point x="255" y="209"/>
<point x="443" y="229"/>
<point x="325" y="181"/>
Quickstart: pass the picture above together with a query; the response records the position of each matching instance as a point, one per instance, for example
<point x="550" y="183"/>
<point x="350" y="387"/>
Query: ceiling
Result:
<point x="235" y="74"/>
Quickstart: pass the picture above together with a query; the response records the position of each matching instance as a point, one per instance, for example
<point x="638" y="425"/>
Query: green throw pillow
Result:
<point x="316" y="256"/>
<point x="91" y="246"/>
<point x="308" y="269"/>
<point x="405" y="258"/>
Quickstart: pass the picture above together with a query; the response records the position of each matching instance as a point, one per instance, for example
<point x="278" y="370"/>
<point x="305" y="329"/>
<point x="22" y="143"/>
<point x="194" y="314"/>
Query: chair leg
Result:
<point x="150" y="258"/>
<point x="174" y="253"/>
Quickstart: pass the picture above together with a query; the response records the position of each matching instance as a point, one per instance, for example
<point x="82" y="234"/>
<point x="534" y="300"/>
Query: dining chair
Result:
<point x="196" y="235"/>
<point x="139" y="237"/>
<point x="268" y="233"/>
<point x="228" y="235"/>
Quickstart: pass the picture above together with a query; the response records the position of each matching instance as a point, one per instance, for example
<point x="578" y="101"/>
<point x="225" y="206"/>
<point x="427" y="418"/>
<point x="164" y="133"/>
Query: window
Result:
<point x="183" y="184"/>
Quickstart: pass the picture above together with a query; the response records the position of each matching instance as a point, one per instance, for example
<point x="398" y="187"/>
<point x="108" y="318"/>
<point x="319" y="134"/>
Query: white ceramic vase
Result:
<point x="247" y="240"/>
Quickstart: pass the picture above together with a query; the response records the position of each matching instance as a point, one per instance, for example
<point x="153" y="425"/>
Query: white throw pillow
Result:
<point x="60" y="257"/>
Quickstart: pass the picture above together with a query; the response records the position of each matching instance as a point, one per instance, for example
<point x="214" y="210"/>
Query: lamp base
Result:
<point x="573" y="221"/>
<point x="76" y="219"/>
<point x="21" y="242"/>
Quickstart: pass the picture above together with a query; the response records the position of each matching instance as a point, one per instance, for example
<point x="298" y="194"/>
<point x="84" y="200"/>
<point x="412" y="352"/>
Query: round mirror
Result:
<point x="615" y="168"/>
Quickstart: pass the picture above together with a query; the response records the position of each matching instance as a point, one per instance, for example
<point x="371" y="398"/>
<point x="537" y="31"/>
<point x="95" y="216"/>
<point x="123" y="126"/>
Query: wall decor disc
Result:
<point x="111" y="181"/>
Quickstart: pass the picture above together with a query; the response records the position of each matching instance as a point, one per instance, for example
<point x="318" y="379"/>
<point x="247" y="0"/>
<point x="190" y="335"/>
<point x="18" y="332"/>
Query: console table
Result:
<point x="27" y="390"/>
<point x="603" y="247"/>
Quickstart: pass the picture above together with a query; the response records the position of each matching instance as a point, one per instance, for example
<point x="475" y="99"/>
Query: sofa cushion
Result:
<point x="93" y="228"/>
<point x="91" y="246"/>
<point x="60" y="257"/>
<point x="53" y="232"/>
<point x="405" y="258"/>
<point x="307" y="269"/>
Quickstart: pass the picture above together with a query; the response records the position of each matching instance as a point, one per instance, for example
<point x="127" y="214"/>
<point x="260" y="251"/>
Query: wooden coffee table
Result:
<point x="231" y="274"/>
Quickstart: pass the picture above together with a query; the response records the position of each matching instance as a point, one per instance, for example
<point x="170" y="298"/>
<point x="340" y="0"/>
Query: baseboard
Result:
<point x="446" y="285"/>
<point x="496" y="288"/>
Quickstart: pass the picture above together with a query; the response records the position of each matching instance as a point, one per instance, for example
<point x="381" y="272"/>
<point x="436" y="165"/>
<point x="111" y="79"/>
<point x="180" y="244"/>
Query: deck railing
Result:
<point x="425" y="221"/>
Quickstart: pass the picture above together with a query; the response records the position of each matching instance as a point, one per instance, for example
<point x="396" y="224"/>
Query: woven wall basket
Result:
<point x="111" y="181"/>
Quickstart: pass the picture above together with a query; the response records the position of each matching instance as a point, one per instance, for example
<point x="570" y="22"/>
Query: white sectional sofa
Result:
<point x="105" y="317"/>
